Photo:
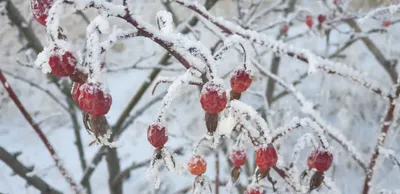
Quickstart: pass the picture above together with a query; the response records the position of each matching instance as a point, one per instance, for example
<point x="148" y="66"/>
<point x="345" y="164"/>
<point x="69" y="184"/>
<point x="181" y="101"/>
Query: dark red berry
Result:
<point x="62" y="64"/>
<point x="93" y="100"/>
<point x="285" y="29"/>
<point x="309" y="21"/>
<point x="213" y="98"/>
<point x="321" y="18"/>
<point x="197" y="165"/>
<point x="156" y="135"/>
<point x="241" y="80"/>
<point x="40" y="10"/>
<point x="75" y="93"/>
<point x="252" y="189"/>
<point x="238" y="157"/>
<point x="266" y="157"/>
<point x="320" y="160"/>
<point x="387" y="23"/>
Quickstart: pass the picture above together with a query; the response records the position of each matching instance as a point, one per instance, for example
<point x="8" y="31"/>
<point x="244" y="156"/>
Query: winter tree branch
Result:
<point x="23" y="171"/>
<point x="41" y="135"/>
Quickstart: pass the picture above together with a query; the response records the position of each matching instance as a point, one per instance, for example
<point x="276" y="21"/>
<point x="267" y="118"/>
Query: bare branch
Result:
<point x="41" y="135"/>
<point x="22" y="171"/>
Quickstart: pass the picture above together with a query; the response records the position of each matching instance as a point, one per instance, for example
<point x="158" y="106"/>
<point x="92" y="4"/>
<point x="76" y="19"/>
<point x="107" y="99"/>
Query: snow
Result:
<point x="165" y="22"/>
<point x="329" y="107"/>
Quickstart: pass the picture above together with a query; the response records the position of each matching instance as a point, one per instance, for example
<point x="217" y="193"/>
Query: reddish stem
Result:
<point x="381" y="139"/>
<point x="40" y="133"/>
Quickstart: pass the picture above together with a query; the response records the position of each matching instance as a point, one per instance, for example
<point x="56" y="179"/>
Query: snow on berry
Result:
<point x="40" y="10"/>
<point x="321" y="18"/>
<point x="241" y="80"/>
<point x="266" y="157"/>
<point x="156" y="135"/>
<point x="197" y="165"/>
<point x="309" y="21"/>
<point x="253" y="189"/>
<point x="238" y="157"/>
<point x="320" y="160"/>
<point x="213" y="98"/>
<point x="93" y="100"/>
<point x="62" y="63"/>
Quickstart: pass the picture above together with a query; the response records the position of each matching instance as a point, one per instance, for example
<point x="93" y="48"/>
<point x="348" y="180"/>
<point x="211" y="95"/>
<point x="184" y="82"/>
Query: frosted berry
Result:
<point x="197" y="165"/>
<point x="156" y="135"/>
<point x="251" y="189"/>
<point x="238" y="157"/>
<point x="40" y="10"/>
<point x="75" y="93"/>
<point x="213" y="98"/>
<point x="241" y="80"/>
<point x="62" y="64"/>
<point x="321" y="18"/>
<point x="309" y="21"/>
<point x="93" y="100"/>
<point x="387" y="23"/>
<point x="285" y="29"/>
<point x="266" y="157"/>
<point x="320" y="160"/>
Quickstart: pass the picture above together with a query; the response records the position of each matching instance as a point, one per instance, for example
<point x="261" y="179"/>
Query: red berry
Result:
<point x="93" y="100"/>
<point x="197" y="165"/>
<point x="321" y="18"/>
<point x="213" y="98"/>
<point x="387" y="23"/>
<point x="76" y="91"/>
<point x="241" y="80"/>
<point x="252" y="189"/>
<point x="336" y="2"/>
<point x="285" y="29"/>
<point x="266" y="157"/>
<point x="309" y="21"/>
<point x="320" y="160"/>
<point x="238" y="157"/>
<point x="156" y="135"/>
<point x="40" y="10"/>
<point x="62" y="64"/>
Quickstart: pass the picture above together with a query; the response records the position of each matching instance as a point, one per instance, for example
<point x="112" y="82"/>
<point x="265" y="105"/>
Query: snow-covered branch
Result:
<point x="308" y="108"/>
<point x="278" y="47"/>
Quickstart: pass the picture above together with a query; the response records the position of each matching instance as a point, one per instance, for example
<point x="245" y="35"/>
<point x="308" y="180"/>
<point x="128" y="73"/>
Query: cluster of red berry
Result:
<point x="89" y="96"/>
<point x="309" y="20"/>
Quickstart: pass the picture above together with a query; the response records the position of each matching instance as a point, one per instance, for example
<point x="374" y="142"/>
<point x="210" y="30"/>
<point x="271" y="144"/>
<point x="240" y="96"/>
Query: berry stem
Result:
<point x="40" y="133"/>
<point x="244" y="56"/>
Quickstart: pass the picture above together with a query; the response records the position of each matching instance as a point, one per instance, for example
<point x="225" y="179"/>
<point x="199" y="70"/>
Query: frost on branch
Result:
<point x="389" y="10"/>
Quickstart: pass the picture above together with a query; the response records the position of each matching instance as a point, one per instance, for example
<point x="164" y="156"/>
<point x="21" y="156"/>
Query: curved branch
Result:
<point x="22" y="171"/>
<point x="41" y="135"/>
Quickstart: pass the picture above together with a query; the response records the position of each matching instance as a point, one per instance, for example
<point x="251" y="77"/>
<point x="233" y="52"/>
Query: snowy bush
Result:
<point x="180" y="96"/>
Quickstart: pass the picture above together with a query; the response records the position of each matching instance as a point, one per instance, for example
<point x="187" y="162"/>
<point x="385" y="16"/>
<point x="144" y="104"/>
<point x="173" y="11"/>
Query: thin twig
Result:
<point x="41" y="135"/>
<point x="37" y="87"/>
<point x="387" y="122"/>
